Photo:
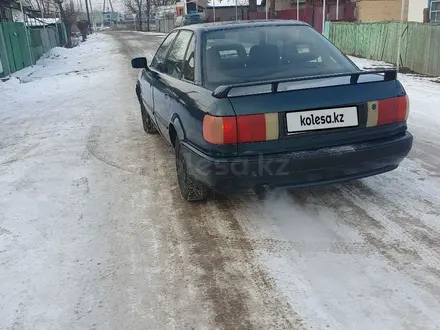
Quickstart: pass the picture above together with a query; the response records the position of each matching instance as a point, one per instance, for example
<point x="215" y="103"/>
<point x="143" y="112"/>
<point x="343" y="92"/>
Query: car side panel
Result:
<point x="147" y="91"/>
<point x="162" y="103"/>
<point x="189" y="104"/>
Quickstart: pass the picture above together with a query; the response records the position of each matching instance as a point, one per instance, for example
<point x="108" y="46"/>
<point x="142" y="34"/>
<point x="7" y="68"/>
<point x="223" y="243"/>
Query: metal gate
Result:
<point x="17" y="49"/>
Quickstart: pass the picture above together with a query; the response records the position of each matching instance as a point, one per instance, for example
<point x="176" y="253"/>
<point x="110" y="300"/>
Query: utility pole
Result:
<point x="111" y="14"/>
<point x="103" y="11"/>
<point x="93" y="16"/>
<point x="213" y="8"/>
<point x="267" y="9"/>
<point x="399" y="41"/>
<point x="337" y="10"/>
<point x="88" y="16"/>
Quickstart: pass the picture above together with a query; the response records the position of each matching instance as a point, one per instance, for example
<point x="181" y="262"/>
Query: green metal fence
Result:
<point x="16" y="54"/>
<point x="420" y="43"/>
<point x="17" y="50"/>
<point x="43" y="39"/>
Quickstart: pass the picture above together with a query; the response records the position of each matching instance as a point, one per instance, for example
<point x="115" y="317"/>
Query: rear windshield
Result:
<point x="268" y="52"/>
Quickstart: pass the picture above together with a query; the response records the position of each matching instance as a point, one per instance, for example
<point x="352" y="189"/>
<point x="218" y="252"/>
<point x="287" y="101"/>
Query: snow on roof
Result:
<point x="36" y="21"/>
<point x="39" y="22"/>
<point x="230" y="3"/>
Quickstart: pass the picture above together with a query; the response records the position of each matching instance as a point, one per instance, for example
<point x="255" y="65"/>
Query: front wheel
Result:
<point x="190" y="189"/>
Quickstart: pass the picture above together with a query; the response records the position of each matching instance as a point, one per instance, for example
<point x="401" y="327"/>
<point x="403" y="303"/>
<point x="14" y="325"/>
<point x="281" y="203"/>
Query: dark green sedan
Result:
<point x="263" y="104"/>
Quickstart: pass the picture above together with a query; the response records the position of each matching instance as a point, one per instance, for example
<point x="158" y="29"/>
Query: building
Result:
<point x="381" y="10"/>
<point x="192" y="6"/>
<point x="10" y="10"/>
<point x="111" y="18"/>
<point x="415" y="10"/>
<point x="434" y="11"/>
<point x="227" y="12"/>
<point x="6" y="10"/>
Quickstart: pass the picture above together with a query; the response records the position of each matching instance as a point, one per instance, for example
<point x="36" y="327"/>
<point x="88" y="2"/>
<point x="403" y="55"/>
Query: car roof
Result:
<point x="205" y="27"/>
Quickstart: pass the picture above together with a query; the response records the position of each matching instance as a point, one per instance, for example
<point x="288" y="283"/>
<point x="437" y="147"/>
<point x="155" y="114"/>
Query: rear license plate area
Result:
<point x="323" y="119"/>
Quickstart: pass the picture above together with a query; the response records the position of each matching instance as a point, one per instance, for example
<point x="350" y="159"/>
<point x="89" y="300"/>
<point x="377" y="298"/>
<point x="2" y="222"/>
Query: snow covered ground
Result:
<point x="422" y="91"/>
<point x="94" y="234"/>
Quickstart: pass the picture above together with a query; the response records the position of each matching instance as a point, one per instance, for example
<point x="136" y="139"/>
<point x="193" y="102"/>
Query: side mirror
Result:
<point x="139" y="63"/>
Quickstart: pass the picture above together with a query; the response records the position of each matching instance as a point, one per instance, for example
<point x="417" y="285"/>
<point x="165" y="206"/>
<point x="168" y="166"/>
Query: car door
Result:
<point x="151" y="95"/>
<point x="165" y="83"/>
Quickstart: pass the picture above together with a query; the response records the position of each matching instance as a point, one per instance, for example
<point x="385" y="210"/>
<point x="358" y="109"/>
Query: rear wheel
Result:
<point x="190" y="189"/>
<point x="148" y="124"/>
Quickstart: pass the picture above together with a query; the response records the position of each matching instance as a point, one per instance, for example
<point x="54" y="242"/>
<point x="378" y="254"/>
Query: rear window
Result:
<point x="268" y="52"/>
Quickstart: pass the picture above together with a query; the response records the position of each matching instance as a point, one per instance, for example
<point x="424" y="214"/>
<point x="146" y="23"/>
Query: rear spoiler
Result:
<point x="222" y="91"/>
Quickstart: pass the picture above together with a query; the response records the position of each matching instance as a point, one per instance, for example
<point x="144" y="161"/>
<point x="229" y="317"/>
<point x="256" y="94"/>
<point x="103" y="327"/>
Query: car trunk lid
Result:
<point x="313" y="113"/>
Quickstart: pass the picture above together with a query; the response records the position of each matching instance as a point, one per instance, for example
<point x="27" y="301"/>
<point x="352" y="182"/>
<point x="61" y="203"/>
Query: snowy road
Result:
<point x="94" y="233"/>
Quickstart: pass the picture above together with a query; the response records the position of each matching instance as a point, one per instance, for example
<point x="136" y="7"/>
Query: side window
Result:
<point x="189" y="63"/>
<point x="176" y="57"/>
<point x="159" y="58"/>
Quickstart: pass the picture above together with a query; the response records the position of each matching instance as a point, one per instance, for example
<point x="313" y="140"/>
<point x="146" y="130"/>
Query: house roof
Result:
<point x="230" y="3"/>
<point x="203" y="27"/>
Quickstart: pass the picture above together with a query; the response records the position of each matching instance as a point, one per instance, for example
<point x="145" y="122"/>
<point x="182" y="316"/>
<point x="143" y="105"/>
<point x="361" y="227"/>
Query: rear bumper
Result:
<point x="301" y="168"/>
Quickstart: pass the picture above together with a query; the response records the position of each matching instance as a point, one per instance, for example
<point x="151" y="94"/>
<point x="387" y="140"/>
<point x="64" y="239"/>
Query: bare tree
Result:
<point x="38" y="4"/>
<point x="147" y="13"/>
<point x="45" y="7"/>
<point x="253" y="5"/>
<point x="136" y="7"/>
<point x="157" y="3"/>
<point x="143" y="7"/>
<point x="272" y="9"/>
<point x="68" y="16"/>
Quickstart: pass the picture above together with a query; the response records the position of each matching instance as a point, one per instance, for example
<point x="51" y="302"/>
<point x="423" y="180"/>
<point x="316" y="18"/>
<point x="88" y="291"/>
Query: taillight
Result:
<point x="240" y="129"/>
<point x="220" y="130"/>
<point x="388" y="111"/>
<point x="251" y="128"/>
<point x="402" y="108"/>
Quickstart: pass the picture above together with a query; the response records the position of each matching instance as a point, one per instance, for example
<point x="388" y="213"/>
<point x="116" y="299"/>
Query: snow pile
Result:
<point x="62" y="61"/>
<point x="422" y="92"/>
<point x="149" y="33"/>
<point x="51" y="249"/>
<point x="55" y="53"/>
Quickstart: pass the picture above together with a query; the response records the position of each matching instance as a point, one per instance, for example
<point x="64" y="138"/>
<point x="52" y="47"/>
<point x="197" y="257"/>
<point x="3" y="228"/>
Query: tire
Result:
<point x="191" y="190"/>
<point x="148" y="124"/>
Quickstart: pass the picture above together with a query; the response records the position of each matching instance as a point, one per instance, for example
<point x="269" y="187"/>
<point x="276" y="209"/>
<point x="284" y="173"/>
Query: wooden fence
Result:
<point x="420" y="43"/>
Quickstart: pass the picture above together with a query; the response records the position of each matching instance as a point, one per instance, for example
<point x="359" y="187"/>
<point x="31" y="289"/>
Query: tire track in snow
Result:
<point x="413" y="228"/>
<point x="20" y="154"/>
<point x="94" y="148"/>
<point x="384" y="235"/>
<point x="214" y="254"/>
<point x="326" y="215"/>
<point x="237" y="287"/>
<point x="203" y="282"/>
<point x="205" y="248"/>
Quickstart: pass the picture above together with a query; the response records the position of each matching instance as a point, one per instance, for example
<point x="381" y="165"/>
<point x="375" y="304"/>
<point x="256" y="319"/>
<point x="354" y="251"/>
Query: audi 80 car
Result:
<point x="257" y="104"/>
